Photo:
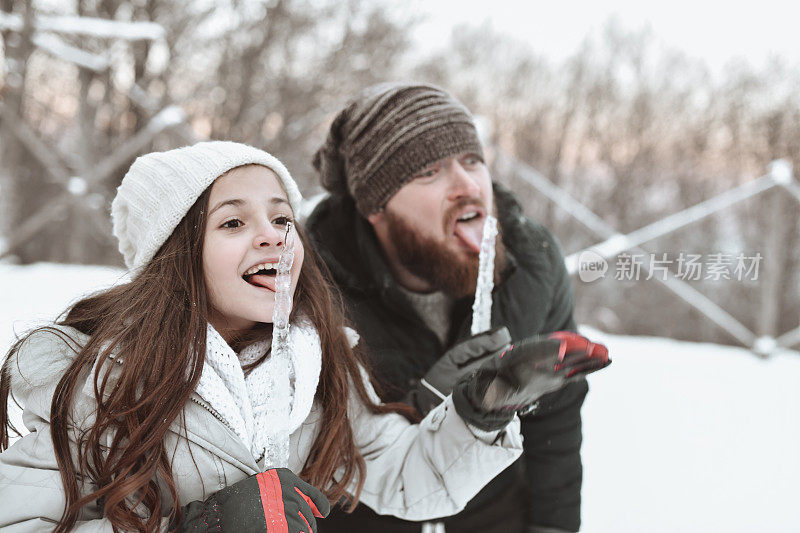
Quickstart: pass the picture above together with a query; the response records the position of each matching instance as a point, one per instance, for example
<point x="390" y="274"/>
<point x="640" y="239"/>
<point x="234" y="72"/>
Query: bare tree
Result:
<point x="267" y="74"/>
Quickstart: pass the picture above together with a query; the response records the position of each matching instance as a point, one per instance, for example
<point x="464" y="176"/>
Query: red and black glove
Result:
<point x="516" y="377"/>
<point x="275" y="501"/>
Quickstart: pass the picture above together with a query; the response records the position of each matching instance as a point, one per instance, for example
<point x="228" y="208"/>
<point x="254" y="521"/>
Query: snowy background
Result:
<point x="627" y="110"/>
<point x="678" y="436"/>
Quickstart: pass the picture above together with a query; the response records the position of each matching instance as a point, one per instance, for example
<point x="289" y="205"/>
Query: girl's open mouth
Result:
<point x="262" y="276"/>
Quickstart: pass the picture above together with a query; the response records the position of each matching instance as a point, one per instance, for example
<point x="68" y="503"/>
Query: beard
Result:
<point x="453" y="273"/>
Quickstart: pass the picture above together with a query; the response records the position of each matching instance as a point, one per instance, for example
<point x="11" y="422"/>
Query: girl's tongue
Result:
<point x="470" y="233"/>
<point x="262" y="280"/>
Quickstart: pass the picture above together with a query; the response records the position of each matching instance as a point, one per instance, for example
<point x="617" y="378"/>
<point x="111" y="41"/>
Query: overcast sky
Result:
<point x="713" y="30"/>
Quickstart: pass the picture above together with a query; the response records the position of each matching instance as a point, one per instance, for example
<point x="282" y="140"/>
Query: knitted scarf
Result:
<point x="247" y="402"/>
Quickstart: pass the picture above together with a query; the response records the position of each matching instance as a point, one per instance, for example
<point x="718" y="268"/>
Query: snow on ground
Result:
<point x="688" y="437"/>
<point x="32" y="295"/>
<point x="678" y="436"/>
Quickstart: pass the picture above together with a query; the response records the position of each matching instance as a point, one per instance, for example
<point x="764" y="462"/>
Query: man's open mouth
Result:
<point x="469" y="215"/>
<point x="468" y="227"/>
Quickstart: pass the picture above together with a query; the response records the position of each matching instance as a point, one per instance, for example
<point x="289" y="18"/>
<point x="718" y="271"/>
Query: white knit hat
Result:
<point x="161" y="187"/>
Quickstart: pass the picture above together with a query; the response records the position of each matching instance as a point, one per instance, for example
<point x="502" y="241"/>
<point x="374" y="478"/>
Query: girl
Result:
<point x="152" y="396"/>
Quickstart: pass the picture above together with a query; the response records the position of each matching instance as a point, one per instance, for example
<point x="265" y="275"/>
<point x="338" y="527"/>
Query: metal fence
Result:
<point x="779" y="176"/>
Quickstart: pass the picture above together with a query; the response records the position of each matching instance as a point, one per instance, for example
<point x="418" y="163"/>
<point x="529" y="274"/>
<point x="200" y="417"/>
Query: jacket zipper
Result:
<point x="214" y="413"/>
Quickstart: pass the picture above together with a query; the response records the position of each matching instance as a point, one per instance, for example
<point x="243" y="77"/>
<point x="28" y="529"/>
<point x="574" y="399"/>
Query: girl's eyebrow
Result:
<point x="233" y="201"/>
<point x="238" y="202"/>
<point x="275" y="200"/>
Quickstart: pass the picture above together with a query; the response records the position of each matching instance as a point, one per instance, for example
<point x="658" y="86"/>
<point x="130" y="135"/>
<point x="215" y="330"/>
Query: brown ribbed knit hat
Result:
<point x="386" y="135"/>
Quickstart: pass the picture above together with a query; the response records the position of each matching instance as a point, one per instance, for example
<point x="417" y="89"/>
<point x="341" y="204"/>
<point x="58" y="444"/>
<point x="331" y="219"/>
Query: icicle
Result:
<point x="277" y="453"/>
<point x="283" y="289"/>
<point x="482" y="306"/>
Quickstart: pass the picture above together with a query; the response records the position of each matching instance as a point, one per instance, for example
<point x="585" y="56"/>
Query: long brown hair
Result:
<point x="156" y="326"/>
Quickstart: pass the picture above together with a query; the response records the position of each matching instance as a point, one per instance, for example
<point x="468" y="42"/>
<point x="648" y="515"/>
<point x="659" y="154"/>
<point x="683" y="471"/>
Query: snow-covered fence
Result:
<point x="86" y="26"/>
<point x="47" y="28"/>
<point x="77" y="186"/>
<point x="779" y="176"/>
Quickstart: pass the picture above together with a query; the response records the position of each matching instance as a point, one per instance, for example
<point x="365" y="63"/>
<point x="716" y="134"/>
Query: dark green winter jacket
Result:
<point x="534" y="296"/>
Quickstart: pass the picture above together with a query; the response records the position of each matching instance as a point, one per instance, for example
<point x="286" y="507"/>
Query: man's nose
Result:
<point x="462" y="182"/>
<point x="268" y="236"/>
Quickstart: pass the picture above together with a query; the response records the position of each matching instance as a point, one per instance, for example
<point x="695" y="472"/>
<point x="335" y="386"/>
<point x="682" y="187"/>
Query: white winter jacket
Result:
<point x="414" y="471"/>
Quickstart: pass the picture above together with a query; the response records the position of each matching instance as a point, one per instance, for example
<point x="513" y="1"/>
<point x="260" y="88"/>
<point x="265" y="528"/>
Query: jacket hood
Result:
<point x="42" y="359"/>
<point x="347" y="244"/>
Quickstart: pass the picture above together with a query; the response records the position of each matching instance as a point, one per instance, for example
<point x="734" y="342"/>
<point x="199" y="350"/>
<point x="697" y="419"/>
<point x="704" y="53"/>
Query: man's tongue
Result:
<point x="262" y="280"/>
<point x="471" y="233"/>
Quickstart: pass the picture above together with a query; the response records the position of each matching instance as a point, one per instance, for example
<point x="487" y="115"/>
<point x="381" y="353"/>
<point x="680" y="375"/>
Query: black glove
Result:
<point x="460" y="360"/>
<point x="515" y="378"/>
<point x="272" y="501"/>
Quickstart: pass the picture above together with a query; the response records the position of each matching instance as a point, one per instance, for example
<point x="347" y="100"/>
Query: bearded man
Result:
<point x="401" y="234"/>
